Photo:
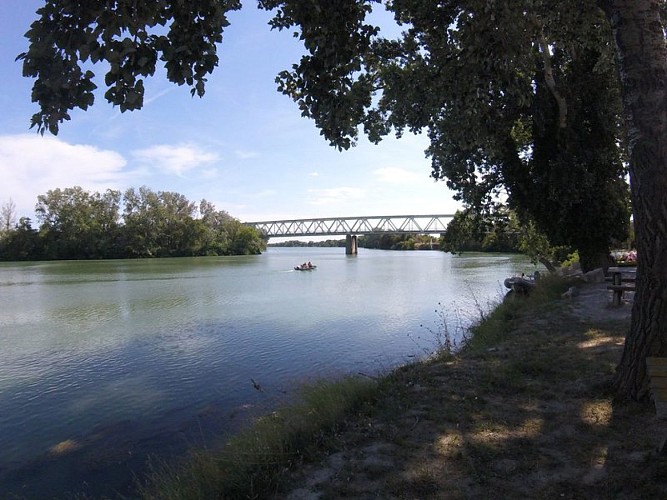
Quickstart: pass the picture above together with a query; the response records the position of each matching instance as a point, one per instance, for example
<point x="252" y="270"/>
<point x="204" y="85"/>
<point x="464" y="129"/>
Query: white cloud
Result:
<point x="334" y="196"/>
<point x="31" y="165"/>
<point x="396" y="175"/>
<point x="176" y="160"/>
<point x="264" y="193"/>
<point x="245" y="155"/>
<point x="210" y="173"/>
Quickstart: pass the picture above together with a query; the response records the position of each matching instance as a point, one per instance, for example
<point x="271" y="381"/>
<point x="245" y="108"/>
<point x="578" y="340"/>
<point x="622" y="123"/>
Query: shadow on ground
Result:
<point x="531" y="417"/>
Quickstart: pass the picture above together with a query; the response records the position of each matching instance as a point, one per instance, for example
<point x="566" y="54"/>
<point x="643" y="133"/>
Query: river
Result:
<point x="103" y="363"/>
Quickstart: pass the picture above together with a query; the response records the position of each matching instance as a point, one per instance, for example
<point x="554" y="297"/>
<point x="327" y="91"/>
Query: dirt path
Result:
<point x="529" y="418"/>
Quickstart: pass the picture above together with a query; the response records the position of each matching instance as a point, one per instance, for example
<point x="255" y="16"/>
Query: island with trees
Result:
<point x="76" y="224"/>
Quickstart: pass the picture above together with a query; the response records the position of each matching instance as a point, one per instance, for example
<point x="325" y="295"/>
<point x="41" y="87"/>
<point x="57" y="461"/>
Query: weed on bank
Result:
<point x="254" y="463"/>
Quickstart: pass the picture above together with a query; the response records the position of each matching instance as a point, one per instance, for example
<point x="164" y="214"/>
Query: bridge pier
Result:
<point x="351" y="244"/>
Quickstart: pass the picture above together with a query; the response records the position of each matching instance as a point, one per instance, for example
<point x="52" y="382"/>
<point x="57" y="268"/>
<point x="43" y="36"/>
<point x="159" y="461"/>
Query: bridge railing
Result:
<point x="419" y="224"/>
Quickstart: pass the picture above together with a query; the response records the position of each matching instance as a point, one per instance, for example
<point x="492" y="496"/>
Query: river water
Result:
<point x="103" y="363"/>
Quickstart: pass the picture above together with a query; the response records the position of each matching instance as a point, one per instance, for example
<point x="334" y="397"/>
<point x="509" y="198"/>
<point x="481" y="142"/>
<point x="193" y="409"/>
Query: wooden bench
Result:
<point x="657" y="372"/>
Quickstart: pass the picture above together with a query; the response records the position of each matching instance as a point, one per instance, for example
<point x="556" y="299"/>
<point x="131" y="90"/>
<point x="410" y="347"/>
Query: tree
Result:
<point x="77" y="224"/>
<point x="639" y="34"/>
<point x="243" y="240"/>
<point x="163" y="224"/>
<point x="515" y="96"/>
<point x="21" y="243"/>
<point x="160" y="224"/>
<point x="217" y="236"/>
<point x="7" y="216"/>
<point x="475" y="54"/>
<point x="465" y="232"/>
<point x="473" y="231"/>
<point x="493" y="83"/>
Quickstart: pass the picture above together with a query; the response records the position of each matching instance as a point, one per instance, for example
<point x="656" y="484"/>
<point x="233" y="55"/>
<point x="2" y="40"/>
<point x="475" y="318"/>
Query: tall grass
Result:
<point x="494" y="326"/>
<point x="254" y="463"/>
<point x="451" y="329"/>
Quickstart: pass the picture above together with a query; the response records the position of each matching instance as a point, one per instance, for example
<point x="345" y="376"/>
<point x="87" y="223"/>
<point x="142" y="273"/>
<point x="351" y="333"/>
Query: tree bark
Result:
<point x="642" y="64"/>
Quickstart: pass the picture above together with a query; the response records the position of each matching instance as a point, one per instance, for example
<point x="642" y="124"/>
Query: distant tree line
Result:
<point x="378" y="241"/>
<point x="394" y="241"/>
<point x="298" y="243"/>
<point x="76" y="224"/>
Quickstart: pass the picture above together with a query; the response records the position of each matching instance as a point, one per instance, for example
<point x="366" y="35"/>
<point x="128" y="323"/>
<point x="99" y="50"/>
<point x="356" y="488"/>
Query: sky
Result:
<point x="243" y="146"/>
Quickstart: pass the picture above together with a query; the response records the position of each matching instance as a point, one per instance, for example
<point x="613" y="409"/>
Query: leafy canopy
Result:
<point x="130" y="36"/>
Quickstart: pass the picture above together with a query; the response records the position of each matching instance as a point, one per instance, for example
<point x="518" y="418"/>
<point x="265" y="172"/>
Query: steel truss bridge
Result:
<point x="351" y="227"/>
<point x="419" y="224"/>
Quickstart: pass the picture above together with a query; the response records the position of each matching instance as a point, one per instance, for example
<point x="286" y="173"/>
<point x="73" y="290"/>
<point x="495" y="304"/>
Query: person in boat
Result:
<point x="310" y="266"/>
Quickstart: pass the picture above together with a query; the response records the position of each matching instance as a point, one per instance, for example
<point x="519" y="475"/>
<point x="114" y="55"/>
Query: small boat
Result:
<point x="520" y="284"/>
<point x="304" y="268"/>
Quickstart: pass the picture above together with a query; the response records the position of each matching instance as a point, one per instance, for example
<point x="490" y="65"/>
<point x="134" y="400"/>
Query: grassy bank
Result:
<point x="255" y="463"/>
<point x="524" y="411"/>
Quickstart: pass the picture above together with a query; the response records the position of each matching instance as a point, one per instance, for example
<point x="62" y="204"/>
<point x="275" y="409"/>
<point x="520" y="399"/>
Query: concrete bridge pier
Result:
<point x="351" y="244"/>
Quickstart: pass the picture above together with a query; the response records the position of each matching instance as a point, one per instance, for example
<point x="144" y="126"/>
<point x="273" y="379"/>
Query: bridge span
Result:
<point x="351" y="227"/>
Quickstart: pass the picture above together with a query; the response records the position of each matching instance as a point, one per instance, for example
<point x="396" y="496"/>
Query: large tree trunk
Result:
<point x="642" y="63"/>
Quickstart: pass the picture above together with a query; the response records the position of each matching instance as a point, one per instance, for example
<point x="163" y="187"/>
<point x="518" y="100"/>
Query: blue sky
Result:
<point x="243" y="146"/>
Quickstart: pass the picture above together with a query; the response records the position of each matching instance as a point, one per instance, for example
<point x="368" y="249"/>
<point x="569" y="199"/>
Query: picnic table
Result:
<point x="622" y="280"/>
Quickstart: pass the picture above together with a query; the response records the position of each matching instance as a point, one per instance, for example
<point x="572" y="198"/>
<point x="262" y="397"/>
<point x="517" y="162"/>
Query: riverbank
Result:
<point x="525" y="412"/>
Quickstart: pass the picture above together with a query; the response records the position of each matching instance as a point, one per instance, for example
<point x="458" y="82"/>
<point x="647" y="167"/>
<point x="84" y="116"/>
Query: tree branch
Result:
<point x="551" y="83"/>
